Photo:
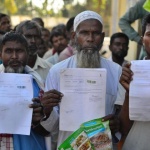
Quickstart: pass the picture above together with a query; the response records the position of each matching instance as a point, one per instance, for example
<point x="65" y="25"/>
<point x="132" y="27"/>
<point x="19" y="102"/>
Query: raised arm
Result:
<point x="125" y="122"/>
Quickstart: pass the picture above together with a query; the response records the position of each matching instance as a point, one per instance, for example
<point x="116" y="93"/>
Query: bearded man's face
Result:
<point x="88" y="41"/>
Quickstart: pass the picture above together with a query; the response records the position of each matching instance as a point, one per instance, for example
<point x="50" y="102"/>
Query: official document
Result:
<point x="16" y="93"/>
<point x="139" y="95"/>
<point x="84" y="96"/>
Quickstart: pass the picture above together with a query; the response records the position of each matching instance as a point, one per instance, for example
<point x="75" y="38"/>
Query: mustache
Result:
<point x="32" y="47"/>
<point x="90" y="47"/>
<point x="15" y="62"/>
<point x="86" y="48"/>
<point x="62" y="46"/>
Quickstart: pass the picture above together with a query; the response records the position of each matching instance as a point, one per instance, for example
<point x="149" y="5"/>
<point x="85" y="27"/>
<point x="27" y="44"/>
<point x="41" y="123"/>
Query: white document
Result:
<point x="84" y="96"/>
<point x="16" y="93"/>
<point x="139" y="95"/>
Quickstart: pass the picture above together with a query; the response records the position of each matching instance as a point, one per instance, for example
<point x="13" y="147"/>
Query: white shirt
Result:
<point x="112" y="86"/>
<point x="53" y="59"/>
<point x="42" y="67"/>
<point x="47" y="54"/>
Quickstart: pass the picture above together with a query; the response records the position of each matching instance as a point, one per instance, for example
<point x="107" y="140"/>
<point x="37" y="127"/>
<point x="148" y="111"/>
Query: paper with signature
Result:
<point x="84" y="96"/>
<point x="16" y="93"/>
<point x="139" y="95"/>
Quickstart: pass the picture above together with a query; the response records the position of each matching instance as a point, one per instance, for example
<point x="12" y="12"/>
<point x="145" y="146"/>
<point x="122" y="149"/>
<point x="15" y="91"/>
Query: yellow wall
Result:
<point x="48" y="21"/>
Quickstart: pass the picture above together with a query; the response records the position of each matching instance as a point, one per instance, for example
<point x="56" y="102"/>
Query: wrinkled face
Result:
<point x="33" y="38"/>
<point x="14" y="57"/>
<point x="59" y="43"/>
<point x="88" y="41"/>
<point x="146" y="40"/>
<point x="119" y="47"/>
<point x="89" y="35"/>
<point x="5" y="24"/>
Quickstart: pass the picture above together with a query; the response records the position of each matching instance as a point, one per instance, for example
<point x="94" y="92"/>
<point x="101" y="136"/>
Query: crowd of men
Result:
<point x="30" y="48"/>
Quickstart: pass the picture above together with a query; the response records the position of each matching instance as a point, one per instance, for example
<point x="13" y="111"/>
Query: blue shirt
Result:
<point x="33" y="141"/>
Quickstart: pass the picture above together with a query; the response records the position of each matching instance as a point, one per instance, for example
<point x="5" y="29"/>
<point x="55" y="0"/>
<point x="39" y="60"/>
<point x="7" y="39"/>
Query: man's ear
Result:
<point x="110" y="47"/>
<point x="102" y="37"/>
<point x="142" y="42"/>
<point x="128" y="48"/>
<point x="72" y="35"/>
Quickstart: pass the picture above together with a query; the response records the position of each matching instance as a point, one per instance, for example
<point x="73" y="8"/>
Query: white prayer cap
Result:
<point x="84" y="16"/>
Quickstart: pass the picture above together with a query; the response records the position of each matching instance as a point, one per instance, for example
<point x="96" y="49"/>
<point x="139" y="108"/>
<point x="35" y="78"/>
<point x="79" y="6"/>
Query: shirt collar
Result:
<point x="39" y="63"/>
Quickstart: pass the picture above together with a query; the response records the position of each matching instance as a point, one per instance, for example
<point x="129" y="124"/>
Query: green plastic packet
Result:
<point x="76" y="141"/>
<point x="99" y="134"/>
<point x="146" y="5"/>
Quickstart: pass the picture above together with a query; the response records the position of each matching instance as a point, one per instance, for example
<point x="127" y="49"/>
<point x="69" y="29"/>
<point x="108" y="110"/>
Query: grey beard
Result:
<point x="88" y="59"/>
<point x="9" y="69"/>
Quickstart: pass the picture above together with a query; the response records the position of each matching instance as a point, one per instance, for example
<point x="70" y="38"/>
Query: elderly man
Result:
<point x="32" y="31"/>
<point x="88" y="35"/>
<point x="14" y="54"/>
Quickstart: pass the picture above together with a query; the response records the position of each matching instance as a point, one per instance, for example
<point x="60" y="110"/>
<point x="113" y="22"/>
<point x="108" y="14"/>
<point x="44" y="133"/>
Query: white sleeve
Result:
<point x="52" y="122"/>
<point x="120" y="95"/>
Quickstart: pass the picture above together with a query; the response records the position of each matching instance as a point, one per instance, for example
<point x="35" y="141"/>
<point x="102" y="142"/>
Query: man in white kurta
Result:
<point x="92" y="24"/>
<point x="112" y="86"/>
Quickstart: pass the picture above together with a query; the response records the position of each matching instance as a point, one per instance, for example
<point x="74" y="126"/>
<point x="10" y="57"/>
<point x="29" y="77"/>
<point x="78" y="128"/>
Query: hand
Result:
<point x="114" y="122"/>
<point x="126" y="76"/>
<point x="49" y="100"/>
<point x="38" y="114"/>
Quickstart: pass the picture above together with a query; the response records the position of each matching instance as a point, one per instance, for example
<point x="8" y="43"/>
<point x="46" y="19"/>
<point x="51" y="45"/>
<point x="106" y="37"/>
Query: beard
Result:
<point x="19" y="69"/>
<point x="9" y="69"/>
<point x="120" y="54"/>
<point x="88" y="57"/>
<point x="32" y="50"/>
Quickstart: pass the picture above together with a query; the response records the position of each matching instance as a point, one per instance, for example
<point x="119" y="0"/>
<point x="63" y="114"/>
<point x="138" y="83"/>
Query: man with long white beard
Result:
<point x="88" y="35"/>
<point x="14" y="54"/>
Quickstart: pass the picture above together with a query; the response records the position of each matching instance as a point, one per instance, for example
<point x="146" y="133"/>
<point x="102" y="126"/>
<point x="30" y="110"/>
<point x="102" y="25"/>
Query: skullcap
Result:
<point x="84" y="16"/>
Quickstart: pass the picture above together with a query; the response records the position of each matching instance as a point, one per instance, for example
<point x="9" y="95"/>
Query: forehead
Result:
<point x="33" y="31"/>
<point x="13" y="45"/>
<point x="89" y="25"/>
<point x="147" y="28"/>
<point x="120" y="40"/>
<point x="58" y="37"/>
<point x="45" y="32"/>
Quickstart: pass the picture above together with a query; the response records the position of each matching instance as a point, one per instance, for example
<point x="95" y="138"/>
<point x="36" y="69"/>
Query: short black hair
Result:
<point x="69" y="24"/>
<point x="145" y="21"/>
<point x="119" y="35"/>
<point x="13" y="36"/>
<point x="3" y="15"/>
<point x="45" y="29"/>
<point x="56" y="33"/>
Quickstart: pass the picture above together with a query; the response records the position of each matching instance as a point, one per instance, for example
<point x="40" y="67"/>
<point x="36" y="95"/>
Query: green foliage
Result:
<point x="24" y="7"/>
